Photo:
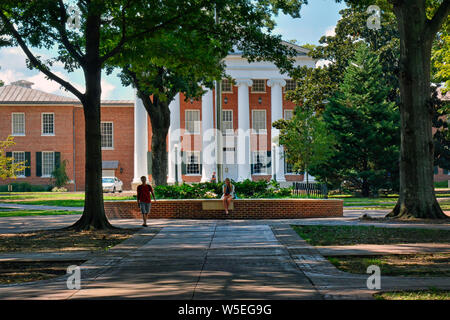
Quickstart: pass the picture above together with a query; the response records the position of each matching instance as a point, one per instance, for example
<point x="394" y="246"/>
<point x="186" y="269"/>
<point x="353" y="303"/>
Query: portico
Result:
<point x="250" y="144"/>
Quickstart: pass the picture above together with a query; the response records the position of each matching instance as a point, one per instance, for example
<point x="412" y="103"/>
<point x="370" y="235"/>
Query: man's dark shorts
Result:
<point x="145" y="207"/>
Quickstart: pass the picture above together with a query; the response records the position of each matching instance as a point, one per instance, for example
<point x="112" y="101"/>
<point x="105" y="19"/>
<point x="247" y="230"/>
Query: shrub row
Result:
<point x="25" y="187"/>
<point x="209" y="190"/>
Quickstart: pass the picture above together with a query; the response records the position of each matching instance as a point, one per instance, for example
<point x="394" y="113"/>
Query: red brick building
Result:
<point x="48" y="129"/>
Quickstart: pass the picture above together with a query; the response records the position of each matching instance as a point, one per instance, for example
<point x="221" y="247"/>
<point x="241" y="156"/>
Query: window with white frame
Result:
<point x="290" y="85"/>
<point x="107" y="137"/>
<point x="193" y="162"/>
<point x="48" y="163"/>
<point x="18" y="157"/>
<point x="260" y="162"/>
<point x="227" y="122"/>
<point x="18" y="124"/>
<point x="48" y="124"/>
<point x="227" y="85"/>
<point x="259" y="85"/>
<point x="259" y="121"/>
<point x="192" y="121"/>
<point x="288" y="114"/>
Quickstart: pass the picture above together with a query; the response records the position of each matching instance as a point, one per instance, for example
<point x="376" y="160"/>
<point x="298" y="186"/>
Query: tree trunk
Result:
<point x="365" y="190"/>
<point x="416" y="197"/>
<point x="160" y="129"/>
<point x="93" y="217"/>
<point x="159" y="114"/>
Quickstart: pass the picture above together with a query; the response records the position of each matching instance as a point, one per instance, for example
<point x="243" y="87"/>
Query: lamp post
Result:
<point x="274" y="164"/>
<point x="176" y="163"/>
<point x="219" y="149"/>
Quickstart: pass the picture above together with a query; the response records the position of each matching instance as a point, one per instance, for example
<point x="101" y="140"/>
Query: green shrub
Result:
<point x="25" y="187"/>
<point x="210" y="190"/>
<point x="59" y="175"/>
<point x="441" y="184"/>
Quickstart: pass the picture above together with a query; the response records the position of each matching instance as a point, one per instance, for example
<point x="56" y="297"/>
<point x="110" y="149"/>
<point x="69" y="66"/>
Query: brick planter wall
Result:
<point x="243" y="209"/>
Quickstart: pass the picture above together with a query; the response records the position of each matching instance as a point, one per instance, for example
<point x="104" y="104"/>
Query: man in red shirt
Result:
<point x="144" y="198"/>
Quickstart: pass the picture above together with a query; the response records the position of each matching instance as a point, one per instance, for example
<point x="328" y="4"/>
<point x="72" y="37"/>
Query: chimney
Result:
<point x="23" y="84"/>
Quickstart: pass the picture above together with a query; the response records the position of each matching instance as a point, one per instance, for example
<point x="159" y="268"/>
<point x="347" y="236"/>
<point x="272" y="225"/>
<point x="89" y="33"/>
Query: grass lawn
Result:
<point x="52" y="241"/>
<point x="21" y="213"/>
<point x="62" y="199"/>
<point x="63" y="240"/>
<point x="417" y="265"/>
<point x="431" y="294"/>
<point x="19" y="272"/>
<point x="348" y="235"/>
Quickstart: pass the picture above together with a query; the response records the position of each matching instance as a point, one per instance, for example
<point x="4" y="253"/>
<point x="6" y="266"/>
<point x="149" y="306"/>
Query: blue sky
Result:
<point x="317" y="19"/>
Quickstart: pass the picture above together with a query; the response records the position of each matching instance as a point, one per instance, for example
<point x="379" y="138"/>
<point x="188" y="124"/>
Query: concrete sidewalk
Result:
<point x="19" y="206"/>
<point x="208" y="259"/>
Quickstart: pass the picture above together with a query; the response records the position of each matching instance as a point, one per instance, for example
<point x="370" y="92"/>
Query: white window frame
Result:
<point x="253" y="86"/>
<point x="42" y="124"/>
<point x="112" y="134"/>
<point x="288" y="110"/>
<point x="231" y="86"/>
<point x="14" y="134"/>
<point x="263" y="154"/>
<point x="43" y="164"/>
<point x="196" y="123"/>
<point x="227" y="132"/>
<point x="19" y="174"/>
<point x="259" y="131"/>
<point x="188" y="159"/>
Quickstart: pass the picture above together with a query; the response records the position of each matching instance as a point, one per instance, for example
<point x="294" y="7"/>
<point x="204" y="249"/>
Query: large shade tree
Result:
<point x="185" y="60"/>
<point x="101" y="30"/>
<point x="418" y="23"/>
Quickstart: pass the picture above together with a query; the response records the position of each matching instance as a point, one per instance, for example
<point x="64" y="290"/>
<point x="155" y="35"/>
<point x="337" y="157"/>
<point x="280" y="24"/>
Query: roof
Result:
<point x="16" y="94"/>
<point x="300" y="50"/>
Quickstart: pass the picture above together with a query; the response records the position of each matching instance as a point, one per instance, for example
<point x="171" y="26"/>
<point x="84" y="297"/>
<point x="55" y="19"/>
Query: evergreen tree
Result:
<point x="365" y="126"/>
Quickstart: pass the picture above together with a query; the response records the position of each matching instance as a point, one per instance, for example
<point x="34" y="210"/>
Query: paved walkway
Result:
<point x="19" y="206"/>
<point x="207" y="259"/>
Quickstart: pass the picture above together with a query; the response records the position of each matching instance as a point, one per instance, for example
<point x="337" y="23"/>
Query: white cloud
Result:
<point x="331" y="31"/>
<point x="107" y="90"/>
<point x="13" y="68"/>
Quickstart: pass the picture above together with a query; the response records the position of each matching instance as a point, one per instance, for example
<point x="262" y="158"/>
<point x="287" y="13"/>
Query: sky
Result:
<point x="318" y="18"/>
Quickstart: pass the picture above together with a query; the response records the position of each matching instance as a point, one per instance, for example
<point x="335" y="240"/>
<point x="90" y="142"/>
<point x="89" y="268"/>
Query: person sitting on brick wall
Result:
<point x="228" y="194"/>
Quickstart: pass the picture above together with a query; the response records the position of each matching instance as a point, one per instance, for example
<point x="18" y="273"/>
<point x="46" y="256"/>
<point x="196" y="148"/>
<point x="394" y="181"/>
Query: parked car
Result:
<point x="112" y="184"/>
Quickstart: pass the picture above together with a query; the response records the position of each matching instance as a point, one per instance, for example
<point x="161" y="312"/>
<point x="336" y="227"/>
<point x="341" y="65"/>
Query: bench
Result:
<point x="214" y="204"/>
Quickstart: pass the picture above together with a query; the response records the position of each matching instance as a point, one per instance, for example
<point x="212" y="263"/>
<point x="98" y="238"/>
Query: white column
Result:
<point x="174" y="139"/>
<point x="208" y="138"/>
<point x="276" y="86"/>
<point x="243" y="135"/>
<point x="140" y="141"/>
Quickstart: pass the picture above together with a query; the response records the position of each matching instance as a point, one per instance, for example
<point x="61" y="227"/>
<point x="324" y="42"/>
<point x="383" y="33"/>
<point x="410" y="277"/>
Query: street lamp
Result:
<point x="176" y="163"/>
<point x="274" y="165"/>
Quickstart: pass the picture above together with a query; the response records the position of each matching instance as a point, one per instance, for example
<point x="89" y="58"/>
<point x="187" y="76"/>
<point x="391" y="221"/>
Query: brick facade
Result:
<point x="243" y="209"/>
<point x="68" y="139"/>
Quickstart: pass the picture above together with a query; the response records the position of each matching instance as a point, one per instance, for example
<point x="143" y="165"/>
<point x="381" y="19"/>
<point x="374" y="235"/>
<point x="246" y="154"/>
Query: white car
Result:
<point x="112" y="184"/>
